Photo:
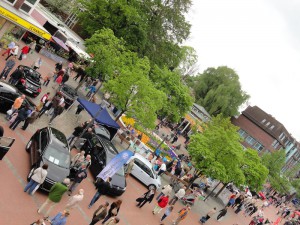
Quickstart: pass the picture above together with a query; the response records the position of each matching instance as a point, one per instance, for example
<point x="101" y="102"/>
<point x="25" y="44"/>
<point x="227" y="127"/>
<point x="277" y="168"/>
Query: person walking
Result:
<point x="43" y="100"/>
<point x="166" y="190"/>
<point x="13" y="52"/>
<point x="79" y="177"/>
<point x="58" y="66"/>
<point x="47" y="106"/>
<point x="92" y="90"/>
<point x="175" y="139"/>
<point x="161" y="203"/>
<point x="10" y="46"/>
<point x="113" y="211"/>
<point x="58" y="79"/>
<point x="112" y="221"/>
<point x="222" y="213"/>
<point x="100" y="213"/>
<point x="16" y="75"/>
<point x="60" y="218"/>
<point x="162" y="168"/>
<point x="182" y="214"/>
<point x="74" y="200"/>
<point x="17" y="104"/>
<point x="178" y="195"/>
<point x="147" y="197"/>
<point x="8" y="67"/>
<point x="57" y="111"/>
<point x="30" y="119"/>
<point x="65" y="78"/>
<point x="55" y="194"/>
<point x="77" y="159"/>
<point x="167" y="213"/>
<point x="55" y="102"/>
<point x="79" y="109"/>
<point x="32" y="46"/>
<point x="38" y="177"/>
<point x="208" y="215"/>
<point x="129" y="168"/>
<point x="76" y="133"/>
<point x="24" y="52"/>
<point x="22" y="115"/>
<point x="37" y="64"/>
<point x="101" y="187"/>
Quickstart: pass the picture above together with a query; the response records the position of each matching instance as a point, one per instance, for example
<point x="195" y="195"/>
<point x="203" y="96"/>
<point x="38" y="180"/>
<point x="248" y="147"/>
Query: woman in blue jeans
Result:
<point x="101" y="186"/>
<point x="38" y="177"/>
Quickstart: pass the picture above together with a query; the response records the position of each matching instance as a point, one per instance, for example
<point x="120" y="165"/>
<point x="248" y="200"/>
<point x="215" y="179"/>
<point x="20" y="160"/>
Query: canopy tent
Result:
<point x="103" y="117"/>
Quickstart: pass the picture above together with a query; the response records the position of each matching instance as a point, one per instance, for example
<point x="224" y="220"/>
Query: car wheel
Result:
<point x="152" y="186"/>
<point x="30" y="174"/>
<point x="28" y="146"/>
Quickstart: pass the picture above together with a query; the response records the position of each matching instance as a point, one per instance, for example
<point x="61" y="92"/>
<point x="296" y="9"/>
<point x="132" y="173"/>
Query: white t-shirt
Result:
<point x="163" y="167"/>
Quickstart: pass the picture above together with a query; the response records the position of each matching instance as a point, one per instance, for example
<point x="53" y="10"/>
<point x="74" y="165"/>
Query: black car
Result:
<point x="8" y="95"/>
<point x="69" y="93"/>
<point x="30" y="83"/>
<point x="102" y="151"/>
<point x="49" y="145"/>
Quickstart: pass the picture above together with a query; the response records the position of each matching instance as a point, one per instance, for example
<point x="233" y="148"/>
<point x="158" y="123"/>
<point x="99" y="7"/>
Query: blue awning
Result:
<point x="103" y="118"/>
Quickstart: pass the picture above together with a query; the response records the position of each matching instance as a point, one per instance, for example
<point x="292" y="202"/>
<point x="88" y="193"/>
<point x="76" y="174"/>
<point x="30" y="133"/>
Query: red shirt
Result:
<point x="25" y="49"/>
<point x="59" y="80"/>
<point x="163" y="201"/>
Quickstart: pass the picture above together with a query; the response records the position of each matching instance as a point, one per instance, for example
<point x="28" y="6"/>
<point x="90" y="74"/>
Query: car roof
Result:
<point x="143" y="159"/>
<point x="8" y="87"/>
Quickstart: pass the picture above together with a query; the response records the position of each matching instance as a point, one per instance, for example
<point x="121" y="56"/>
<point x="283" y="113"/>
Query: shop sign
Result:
<point x="18" y="20"/>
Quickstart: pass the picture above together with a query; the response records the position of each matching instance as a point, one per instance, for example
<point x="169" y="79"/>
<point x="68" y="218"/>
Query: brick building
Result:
<point x="264" y="133"/>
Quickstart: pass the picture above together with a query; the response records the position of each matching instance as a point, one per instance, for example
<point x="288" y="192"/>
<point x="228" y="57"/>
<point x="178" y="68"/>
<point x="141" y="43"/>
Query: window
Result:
<point x="43" y="139"/>
<point x="250" y="140"/>
<point x="28" y="5"/>
<point x="268" y="123"/>
<point x="11" y="1"/>
<point x="71" y="20"/>
<point x="282" y="136"/>
<point x="258" y="146"/>
<point x="139" y="163"/>
<point x="242" y="133"/>
<point x="275" y="143"/>
<point x="147" y="170"/>
<point x="263" y="121"/>
<point x="272" y="127"/>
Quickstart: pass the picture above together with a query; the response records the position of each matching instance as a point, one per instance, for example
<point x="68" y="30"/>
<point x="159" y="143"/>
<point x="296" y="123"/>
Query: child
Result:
<point x="167" y="213"/>
<point x="46" y="80"/>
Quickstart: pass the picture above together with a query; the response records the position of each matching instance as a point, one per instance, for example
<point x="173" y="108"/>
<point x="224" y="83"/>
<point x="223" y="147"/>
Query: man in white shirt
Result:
<point x="13" y="52"/>
<point x="179" y="195"/>
<point x="162" y="169"/>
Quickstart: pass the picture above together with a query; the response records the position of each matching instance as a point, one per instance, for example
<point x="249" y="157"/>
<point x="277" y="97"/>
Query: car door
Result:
<point x="41" y="144"/>
<point x="6" y="100"/>
<point x="98" y="159"/>
<point x="149" y="177"/>
<point x="137" y="170"/>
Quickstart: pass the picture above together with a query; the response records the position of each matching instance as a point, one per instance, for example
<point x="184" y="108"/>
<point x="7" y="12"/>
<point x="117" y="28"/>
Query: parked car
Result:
<point x="143" y="171"/>
<point x="30" y="84"/>
<point x="102" y="151"/>
<point x="8" y="95"/>
<point x="49" y="145"/>
<point x="69" y="93"/>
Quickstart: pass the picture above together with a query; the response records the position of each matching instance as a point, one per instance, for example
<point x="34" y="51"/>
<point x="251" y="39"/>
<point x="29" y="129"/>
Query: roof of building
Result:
<point x="268" y="123"/>
<point x="200" y="112"/>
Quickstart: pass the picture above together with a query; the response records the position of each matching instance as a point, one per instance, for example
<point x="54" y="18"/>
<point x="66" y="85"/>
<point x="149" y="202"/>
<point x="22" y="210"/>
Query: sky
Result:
<point x="260" y="40"/>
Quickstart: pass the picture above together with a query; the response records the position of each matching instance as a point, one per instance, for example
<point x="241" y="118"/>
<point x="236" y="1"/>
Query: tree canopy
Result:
<point x="274" y="162"/>
<point x="151" y="28"/>
<point x="178" y="99"/>
<point x="217" y="152"/>
<point x="133" y="92"/>
<point x="218" y="90"/>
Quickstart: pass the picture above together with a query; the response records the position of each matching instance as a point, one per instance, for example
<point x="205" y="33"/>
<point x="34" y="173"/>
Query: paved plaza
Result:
<point x="18" y="208"/>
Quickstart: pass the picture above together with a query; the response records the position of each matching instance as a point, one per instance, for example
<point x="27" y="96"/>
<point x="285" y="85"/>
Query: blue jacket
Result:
<point x="58" y="220"/>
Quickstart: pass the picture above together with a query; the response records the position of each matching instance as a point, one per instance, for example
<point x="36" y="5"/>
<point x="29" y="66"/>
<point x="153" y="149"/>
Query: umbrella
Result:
<point x="60" y="42"/>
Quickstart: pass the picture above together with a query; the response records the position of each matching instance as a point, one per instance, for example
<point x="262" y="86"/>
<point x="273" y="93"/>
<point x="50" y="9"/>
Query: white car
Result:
<point x="143" y="171"/>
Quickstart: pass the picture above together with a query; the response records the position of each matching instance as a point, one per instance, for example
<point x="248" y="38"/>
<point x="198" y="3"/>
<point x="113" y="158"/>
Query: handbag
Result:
<point x="140" y="199"/>
<point x="9" y="112"/>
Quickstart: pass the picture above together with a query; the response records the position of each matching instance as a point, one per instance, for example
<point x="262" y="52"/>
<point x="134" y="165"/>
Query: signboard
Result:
<point x="5" y="145"/>
<point x="28" y="26"/>
<point x="115" y="164"/>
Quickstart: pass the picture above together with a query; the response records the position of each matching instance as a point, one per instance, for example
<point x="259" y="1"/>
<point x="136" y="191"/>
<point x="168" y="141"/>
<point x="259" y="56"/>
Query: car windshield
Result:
<point x="32" y="74"/>
<point x="57" y="157"/>
<point x="69" y="91"/>
<point x="59" y="136"/>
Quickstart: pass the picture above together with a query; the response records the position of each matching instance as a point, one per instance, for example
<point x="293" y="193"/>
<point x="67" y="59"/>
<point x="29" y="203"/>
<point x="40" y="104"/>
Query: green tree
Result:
<point x="188" y="65"/>
<point x="133" y="92"/>
<point x="218" y="90"/>
<point x="107" y="50"/>
<point x="179" y="100"/>
<point x="217" y="152"/>
<point x="150" y="28"/>
<point x="58" y="6"/>
<point x="254" y="171"/>
<point x="274" y="162"/>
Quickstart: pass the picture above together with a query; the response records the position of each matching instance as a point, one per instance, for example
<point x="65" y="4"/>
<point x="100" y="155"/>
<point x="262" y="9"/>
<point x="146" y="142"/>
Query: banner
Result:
<point x="28" y="26"/>
<point x="115" y="164"/>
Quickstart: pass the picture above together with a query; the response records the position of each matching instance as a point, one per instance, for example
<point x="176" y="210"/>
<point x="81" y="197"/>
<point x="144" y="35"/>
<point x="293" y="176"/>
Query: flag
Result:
<point x="115" y="164"/>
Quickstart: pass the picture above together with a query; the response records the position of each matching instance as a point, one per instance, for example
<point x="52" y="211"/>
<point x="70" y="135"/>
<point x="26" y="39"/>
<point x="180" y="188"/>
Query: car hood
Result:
<point x="56" y="173"/>
<point x="118" y="180"/>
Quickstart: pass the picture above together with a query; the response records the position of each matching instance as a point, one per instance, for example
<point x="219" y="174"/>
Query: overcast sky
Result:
<point x="260" y="40"/>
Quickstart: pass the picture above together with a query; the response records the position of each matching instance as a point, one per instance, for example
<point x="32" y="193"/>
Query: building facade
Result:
<point x="261" y="131"/>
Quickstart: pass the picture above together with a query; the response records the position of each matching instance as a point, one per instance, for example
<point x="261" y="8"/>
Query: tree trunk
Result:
<point x="220" y="191"/>
<point x="119" y="116"/>
<point x="212" y="191"/>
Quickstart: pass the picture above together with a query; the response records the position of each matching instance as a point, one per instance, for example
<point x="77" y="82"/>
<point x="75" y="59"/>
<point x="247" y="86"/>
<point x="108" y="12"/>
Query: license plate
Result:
<point x="29" y="91"/>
